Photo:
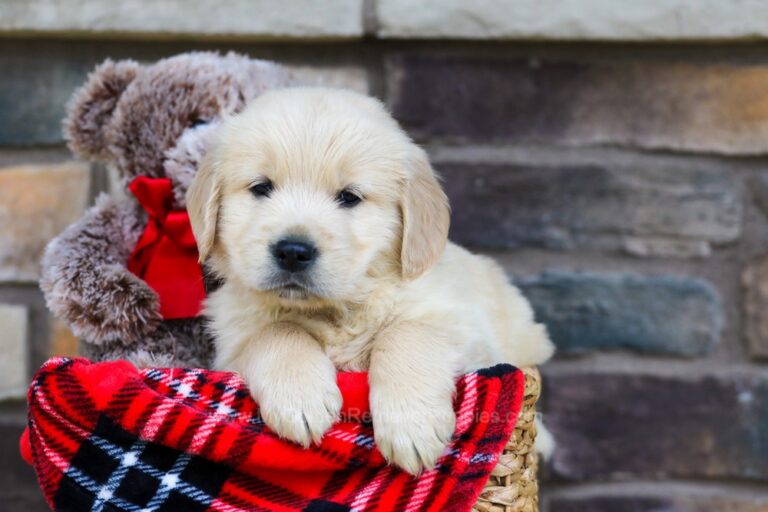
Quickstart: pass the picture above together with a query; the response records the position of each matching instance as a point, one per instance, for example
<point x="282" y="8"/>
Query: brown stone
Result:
<point x="63" y="341"/>
<point x="36" y="203"/>
<point x="683" y="106"/>
<point x="616" y="425"/>
<point x="755" y="281"/>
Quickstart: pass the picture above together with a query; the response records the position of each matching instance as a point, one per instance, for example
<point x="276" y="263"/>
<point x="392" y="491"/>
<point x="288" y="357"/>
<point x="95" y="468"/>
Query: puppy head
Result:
<point x="313" y="196"/>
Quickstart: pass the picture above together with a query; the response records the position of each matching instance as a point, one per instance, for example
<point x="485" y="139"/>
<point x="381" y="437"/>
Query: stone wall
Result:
<point x="611" y="155"/>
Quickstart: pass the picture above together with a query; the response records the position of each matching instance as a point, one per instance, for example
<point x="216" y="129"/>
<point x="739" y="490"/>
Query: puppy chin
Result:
<point x="291" y="293"/>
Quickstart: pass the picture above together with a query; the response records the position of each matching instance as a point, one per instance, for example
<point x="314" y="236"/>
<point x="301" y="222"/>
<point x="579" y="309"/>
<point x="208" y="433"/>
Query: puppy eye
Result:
<point x="197" y="122"/>
<point x="262" y="189"/>
<point x="348" y="199"/>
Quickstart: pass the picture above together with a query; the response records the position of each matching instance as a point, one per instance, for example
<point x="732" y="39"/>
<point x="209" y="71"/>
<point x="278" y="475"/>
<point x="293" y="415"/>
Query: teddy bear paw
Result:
<point x="120" y="307"/>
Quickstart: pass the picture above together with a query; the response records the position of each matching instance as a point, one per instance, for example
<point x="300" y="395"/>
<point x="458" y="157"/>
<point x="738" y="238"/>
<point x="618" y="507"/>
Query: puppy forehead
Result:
<point x="326" y="136"/>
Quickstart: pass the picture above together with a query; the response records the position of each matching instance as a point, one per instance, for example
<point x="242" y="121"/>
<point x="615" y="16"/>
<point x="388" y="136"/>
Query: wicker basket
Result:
<point x="513" y="486"/>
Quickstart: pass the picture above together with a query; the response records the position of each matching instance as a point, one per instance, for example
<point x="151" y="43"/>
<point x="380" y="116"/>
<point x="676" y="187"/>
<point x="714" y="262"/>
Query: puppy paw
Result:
<point x="409" y="433"/>
<point x="301" y="406"/>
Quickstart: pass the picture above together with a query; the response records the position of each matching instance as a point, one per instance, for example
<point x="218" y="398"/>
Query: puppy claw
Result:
<point x="426" y="464"/>
<point x="307" y="429"/>
<point x="303" y="423"/>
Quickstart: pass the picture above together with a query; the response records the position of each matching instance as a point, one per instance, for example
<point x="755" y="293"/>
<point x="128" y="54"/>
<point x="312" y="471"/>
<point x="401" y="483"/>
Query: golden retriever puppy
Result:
<point x="330" y="228"/>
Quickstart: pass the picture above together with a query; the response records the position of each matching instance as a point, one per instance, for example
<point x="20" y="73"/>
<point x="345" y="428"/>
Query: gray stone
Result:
<point x="29" y="296"/>
<point x="40" y="77"/>
<point x="642" y="211"/>
<point x="253" y="19"/>
<point x="755" y="282"/>
<point x="33" y="94"/>
<point x="666" y="247"/>
<point x="19" y="490"/>
<point x="613" y="504"/>
<point x="660" y="503"/>
<point x="26" y="502"/>
<point x="344" y="77"/>
<point x="660" y="105"/>
<point x="759" y="187"/>
<point x="648" y="314"/>
<point x="14" y="335"/>
<point x="617" y="425"/>
<point x="573" y="20"/>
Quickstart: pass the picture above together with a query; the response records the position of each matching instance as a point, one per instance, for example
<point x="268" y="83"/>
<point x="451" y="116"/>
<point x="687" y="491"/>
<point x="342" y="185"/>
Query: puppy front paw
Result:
<point x="301" y="406"/>
<point x="412" y="434"/>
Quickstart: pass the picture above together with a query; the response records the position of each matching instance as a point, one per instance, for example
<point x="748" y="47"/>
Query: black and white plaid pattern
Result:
<point x="113" y="472"/>
<point x="225" y="398"/>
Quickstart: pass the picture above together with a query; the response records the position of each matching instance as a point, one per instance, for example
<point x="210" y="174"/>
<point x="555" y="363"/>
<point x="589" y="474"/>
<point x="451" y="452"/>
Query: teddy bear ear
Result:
<point x="93" y="105"/>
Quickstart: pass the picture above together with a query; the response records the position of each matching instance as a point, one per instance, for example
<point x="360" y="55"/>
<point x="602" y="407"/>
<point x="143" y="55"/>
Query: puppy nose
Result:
<point x="294" y="255"/>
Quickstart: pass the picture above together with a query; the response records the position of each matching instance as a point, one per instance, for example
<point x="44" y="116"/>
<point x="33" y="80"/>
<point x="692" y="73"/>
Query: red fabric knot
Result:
<point x="166" y="256"/>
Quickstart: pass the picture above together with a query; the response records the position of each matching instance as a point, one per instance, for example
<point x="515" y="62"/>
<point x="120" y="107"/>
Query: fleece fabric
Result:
<point x="108" y="437"/>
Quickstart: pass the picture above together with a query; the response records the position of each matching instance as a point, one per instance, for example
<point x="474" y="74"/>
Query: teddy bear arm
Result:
<point x="183" y="343"/>
<point x="86" y="282"/>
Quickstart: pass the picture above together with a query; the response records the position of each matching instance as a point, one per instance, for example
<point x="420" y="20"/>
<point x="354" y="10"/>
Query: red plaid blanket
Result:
<point x="108" y="437"/>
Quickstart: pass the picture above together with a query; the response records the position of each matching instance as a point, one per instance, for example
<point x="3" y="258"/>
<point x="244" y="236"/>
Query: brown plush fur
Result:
<point x="154" y="121"/>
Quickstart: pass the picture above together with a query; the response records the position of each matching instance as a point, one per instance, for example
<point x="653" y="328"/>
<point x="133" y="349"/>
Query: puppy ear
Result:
<point x="426" y="217"/>
<point x="92" y="106"/>
<point x="203" y="205"/>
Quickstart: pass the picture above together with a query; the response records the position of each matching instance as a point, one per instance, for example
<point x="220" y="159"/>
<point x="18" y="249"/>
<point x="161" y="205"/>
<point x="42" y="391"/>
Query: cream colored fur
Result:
<point x="388" y="293"/>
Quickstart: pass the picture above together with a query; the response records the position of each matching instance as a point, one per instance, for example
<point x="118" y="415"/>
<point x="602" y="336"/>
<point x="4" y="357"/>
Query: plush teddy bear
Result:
<point x="126" y="276"/>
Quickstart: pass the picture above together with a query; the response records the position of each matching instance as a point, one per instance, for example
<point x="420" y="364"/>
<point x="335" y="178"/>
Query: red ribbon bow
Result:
<point x="166" y="255"/>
